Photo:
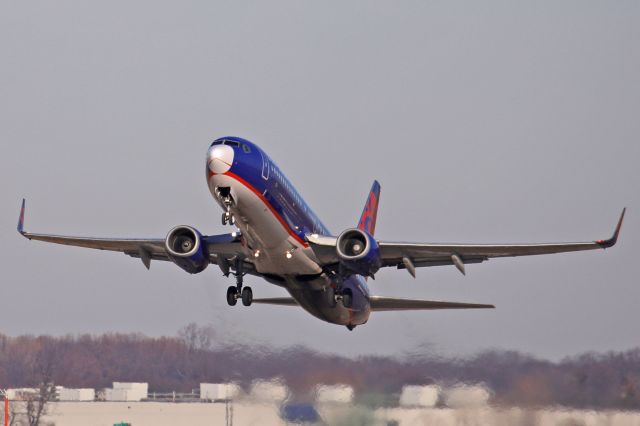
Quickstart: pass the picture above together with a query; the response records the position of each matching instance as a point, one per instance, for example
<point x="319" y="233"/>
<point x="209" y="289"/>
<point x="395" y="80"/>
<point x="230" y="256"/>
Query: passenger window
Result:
<point x="246" y="148"/>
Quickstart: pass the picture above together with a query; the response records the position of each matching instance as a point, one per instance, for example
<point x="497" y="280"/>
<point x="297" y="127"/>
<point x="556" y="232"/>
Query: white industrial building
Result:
<point x="269" y="391"/>
<point x="467" y="396"/>
<point x="21" y="393"/>
<point x="419" y="396"/>
<point x="334" y="394"/>
<point x="81" y="394"/>
<point x="219" y="391"/>
<point x="123" y="391"/>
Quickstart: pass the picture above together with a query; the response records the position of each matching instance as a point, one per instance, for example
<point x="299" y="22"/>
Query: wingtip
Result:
<point x="484" y="306"/>
<point x="21" y="218"/>
<point x="614" y="238"/>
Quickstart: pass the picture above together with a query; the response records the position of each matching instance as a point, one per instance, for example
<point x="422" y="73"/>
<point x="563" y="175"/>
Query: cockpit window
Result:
<point x="217" y="143"/>
<point x="232" y="143"/>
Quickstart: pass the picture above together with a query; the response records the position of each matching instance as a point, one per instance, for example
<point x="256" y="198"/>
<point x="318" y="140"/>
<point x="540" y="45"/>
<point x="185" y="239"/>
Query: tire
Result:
<point x="232" y="220"/>
<point x="231" y="296"/>
<point x="224" y="218"/>
<point x="347" y="298"/>
<point x="247" y="296"/>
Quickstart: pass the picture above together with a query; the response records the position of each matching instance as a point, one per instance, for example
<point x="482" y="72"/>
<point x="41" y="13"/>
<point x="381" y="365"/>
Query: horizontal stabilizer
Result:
<point x="282" y="301"/>
<point x="379" y="303"/>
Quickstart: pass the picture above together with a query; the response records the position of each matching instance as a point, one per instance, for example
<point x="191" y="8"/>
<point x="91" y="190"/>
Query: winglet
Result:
<point x="21" y="219"/>
<point x="614" y="238"/>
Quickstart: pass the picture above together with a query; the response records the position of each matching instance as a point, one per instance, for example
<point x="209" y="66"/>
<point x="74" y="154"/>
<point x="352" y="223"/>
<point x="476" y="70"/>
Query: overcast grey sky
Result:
<point x="484" y="122"/>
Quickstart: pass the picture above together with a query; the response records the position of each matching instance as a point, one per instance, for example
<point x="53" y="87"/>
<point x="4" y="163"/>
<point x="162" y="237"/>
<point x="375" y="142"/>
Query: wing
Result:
<point x="413" y="255"/>
<point x="221" y="248"/>
<point x="379" y="303"/>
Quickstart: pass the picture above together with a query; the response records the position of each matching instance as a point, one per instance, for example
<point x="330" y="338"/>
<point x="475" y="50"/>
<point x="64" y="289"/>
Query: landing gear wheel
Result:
<point x="347" y="298"/>
<point x="247" y="296"/>
<point x="227" y="217"/>
<point x="232" y="296"/>
<point x="330" y="294"/>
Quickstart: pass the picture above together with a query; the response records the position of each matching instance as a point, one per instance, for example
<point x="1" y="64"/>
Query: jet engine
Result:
<point x="358" y="252"/>
<point x="186" y="249"/>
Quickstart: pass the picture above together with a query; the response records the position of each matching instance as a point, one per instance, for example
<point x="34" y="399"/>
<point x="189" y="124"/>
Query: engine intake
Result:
<point x="185" y="248"/>
<point x="358" y="252"/>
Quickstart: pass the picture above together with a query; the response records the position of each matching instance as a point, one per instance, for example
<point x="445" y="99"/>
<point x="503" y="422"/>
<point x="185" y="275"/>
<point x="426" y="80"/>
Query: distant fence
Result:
<point x="193" y="396"/>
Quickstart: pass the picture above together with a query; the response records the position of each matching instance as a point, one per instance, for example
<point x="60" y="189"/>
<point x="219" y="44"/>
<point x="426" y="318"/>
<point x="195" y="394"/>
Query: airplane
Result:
<point x="280" y="239"/>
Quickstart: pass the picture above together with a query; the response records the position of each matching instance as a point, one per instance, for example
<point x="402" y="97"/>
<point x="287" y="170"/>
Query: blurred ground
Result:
<point x="196" y="414"/>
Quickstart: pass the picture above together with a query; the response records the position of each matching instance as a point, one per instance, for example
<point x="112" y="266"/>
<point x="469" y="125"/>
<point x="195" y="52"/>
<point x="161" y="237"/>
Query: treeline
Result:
<point x="182" y="362"/>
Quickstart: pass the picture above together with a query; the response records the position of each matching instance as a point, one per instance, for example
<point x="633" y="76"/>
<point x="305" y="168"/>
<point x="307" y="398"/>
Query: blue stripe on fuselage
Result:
<point x="277" y="189"/>
<point x="252" y="164"/>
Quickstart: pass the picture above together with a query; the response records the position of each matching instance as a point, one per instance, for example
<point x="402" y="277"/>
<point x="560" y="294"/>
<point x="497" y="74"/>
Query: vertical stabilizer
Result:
<point x="370" y="213"/>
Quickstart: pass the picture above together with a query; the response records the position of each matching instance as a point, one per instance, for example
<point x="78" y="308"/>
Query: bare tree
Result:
<point x="42" y="368"/>
<point x="37" y="404"/>
<point x="14" y="413"/>
<point x="197" y="337"/>
<point x="31" y="407"/>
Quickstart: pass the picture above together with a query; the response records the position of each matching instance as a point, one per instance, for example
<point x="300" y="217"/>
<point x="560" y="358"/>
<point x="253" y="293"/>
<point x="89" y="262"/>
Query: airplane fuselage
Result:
<point x="274" y="220"/>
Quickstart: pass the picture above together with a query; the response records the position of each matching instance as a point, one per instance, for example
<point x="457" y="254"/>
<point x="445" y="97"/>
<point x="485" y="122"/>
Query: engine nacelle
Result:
<point x="358" y="252"/>
<point x="186" y="249"/>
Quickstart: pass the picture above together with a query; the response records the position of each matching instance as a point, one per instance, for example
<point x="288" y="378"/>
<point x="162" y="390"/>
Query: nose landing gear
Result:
<point x="225" y="195"/>
<point x="228" y="218"/>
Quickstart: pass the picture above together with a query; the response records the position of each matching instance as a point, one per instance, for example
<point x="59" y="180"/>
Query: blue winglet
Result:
<point x="21" y="219"/>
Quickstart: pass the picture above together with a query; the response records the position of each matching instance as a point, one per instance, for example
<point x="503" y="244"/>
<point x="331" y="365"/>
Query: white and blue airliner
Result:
<point x="280" y="239"/>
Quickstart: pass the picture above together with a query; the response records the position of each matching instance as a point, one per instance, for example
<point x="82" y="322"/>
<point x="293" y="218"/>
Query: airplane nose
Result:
<point x="220" y="158"/>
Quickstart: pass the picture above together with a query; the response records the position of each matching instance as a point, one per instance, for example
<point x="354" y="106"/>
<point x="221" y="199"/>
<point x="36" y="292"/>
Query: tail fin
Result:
<point x="370" y="213"/>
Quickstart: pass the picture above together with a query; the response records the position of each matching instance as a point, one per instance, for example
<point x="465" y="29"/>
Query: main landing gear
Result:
<point x="246" y="295"/>
<point x="238" y="292"/>
<point x="343" y="295"/>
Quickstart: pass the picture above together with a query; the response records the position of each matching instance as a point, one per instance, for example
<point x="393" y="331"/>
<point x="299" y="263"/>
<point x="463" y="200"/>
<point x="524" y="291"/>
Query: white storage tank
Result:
<point x="219" y="391"/>
<point x="419" y="396"/>
<point x="269" y="391"/>
<point x="467" y="396"/>
<point x="82" y="394"/>
<point x="334" y="394"/>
